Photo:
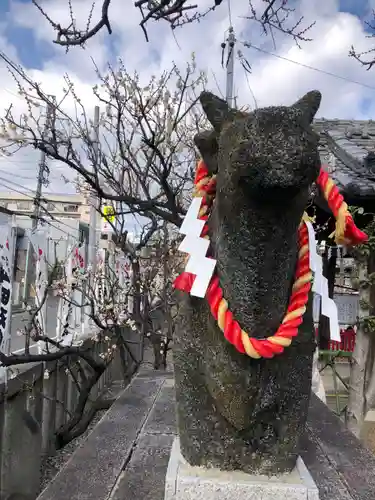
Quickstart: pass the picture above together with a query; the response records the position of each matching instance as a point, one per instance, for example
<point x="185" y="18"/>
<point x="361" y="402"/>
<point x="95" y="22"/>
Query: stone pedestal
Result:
<point x="184" y="482"/>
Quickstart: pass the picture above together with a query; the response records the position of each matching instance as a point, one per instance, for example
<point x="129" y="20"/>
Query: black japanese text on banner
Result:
<point x="6" y="282"/>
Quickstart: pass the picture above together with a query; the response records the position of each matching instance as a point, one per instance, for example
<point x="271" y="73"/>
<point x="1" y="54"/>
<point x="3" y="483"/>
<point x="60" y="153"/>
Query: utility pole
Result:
<point x="165" y="266"/>
<point x="38" y="196"/>
<point x="93" y="196"/>
<point x="93" y="202"/>
<point x="120" y="225"/>
<point x="230" y="67"/>
<point x="42" y="169"/>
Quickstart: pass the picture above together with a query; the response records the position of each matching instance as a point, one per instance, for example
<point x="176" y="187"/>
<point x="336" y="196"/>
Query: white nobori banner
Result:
<point x="6" y="280"/>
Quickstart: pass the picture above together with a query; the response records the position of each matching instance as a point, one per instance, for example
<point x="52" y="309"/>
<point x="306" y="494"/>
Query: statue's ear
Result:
<point x="308" y="105"/>
<point x="217" y="110"/>
<point x="208" y="147"/>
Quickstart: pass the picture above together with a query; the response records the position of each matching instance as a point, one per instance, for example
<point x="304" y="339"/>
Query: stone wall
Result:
<point x="36" y="406"/>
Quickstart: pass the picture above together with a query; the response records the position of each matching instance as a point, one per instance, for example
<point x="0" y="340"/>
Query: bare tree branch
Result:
<point x="146" y="153"/>
<point x="172" y="11"/>
<point x="175" y="12"/>
<point x="367" y="58"/>
<point x="276" y="16"/>
<point x="71" y="35"/>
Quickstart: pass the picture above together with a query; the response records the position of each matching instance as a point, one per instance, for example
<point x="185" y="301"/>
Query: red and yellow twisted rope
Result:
<point x="346" y="231"/>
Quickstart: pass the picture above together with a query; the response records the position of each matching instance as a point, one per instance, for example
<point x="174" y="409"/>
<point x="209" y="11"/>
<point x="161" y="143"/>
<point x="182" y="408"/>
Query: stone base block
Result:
<point x="184" y="482"/>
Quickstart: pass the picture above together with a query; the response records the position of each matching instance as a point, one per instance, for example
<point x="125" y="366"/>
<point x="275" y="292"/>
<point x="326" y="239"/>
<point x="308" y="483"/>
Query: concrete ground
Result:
<point x="126" y="455"/>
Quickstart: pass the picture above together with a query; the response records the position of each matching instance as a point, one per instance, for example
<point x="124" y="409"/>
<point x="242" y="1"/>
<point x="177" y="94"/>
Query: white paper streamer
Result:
<point x="320" y="286"/>
<point x="196" y="247"/>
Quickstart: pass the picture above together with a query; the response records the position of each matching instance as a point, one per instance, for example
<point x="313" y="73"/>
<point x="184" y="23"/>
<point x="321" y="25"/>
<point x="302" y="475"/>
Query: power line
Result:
<point x="5" y="172"/>
<point x="328" y="73"/>
<point x="46" y="211"/>
<point x="33" y="192"/>
<point x="12" y="212"/>
<point x="6" y="159"/>
<point x="247" y="69"/>
<point x="11" y="92"/>
<point x="18" y="185"/>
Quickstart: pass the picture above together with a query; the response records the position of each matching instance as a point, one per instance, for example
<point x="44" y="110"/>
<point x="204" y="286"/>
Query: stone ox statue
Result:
<point x="235" y="412"/>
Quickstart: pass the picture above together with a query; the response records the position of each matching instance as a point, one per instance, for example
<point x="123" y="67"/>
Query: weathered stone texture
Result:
<point x="235" y="412"/>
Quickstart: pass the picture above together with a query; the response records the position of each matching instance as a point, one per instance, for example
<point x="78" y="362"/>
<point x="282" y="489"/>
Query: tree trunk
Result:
<point x="357" y="404"/>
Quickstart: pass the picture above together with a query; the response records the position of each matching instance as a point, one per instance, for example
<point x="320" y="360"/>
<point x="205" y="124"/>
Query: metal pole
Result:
<point x="93" y="201"/>
<point x="120" y="225"/>
<point x="37" y="199"/>
<point x="230" y="67"/>
<point x="93" y="198"/>
<point x="165" y="266"/>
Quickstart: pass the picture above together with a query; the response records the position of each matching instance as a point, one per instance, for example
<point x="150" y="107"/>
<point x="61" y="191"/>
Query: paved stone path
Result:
<point x="144" y="476"/>
<point x="126" y="455"/>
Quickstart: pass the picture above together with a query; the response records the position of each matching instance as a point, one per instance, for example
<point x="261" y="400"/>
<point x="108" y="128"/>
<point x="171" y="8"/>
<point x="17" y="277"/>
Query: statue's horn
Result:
<point x="309" y="105"/>
<point x="217" y="110"/>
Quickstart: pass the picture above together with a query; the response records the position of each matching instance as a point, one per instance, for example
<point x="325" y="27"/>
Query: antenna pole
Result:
<point x="230" y="67"/>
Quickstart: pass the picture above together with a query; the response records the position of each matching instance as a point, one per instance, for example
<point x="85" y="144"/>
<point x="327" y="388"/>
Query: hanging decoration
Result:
<point x="79" y="258"/>
<point x="320" y="287"/>
<point x="200" y="279"/>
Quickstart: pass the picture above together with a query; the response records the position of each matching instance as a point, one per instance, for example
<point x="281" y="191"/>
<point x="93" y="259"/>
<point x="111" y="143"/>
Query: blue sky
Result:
<point x="27" y="36"/>
<point x="33" y="51"/>
<point x="359" y="8"/>
<point x="30" y="35"/>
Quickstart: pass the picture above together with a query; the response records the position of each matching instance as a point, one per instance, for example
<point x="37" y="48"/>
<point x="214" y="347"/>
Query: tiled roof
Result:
<point x="345" y="146"/>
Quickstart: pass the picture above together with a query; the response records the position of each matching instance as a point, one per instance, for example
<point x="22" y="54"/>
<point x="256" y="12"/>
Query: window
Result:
<point x="51" y="207"/>
<point x="23" y="205"/>
<point x="70" y="208"/>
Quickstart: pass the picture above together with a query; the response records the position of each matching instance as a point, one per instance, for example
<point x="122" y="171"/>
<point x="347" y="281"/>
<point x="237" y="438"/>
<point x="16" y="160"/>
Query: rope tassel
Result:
<point x="346" y="233"/>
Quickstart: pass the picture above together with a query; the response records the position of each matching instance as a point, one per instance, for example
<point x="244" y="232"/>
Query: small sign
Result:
<point x="347" y="306"/>
<point x="108" y="219"/>
<point x="106" y="227"/>
<point x="109" y="213"/>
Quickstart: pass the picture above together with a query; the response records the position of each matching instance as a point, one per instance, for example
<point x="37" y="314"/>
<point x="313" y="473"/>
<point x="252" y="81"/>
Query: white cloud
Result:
<point x="273" y="81"/>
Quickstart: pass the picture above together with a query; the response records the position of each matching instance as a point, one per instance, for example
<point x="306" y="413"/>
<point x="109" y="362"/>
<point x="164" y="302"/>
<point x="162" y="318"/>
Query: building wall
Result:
<point x="63" y="205"/>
